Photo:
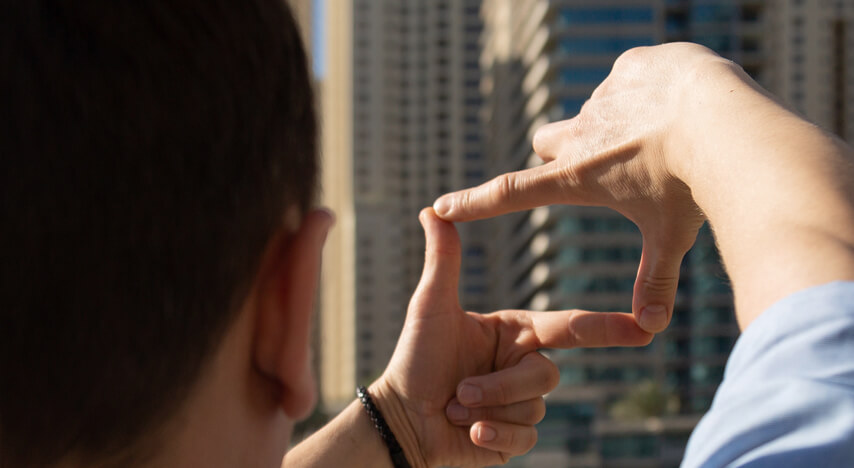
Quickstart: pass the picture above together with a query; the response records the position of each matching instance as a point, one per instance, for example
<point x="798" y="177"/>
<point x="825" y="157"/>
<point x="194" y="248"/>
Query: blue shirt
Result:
<point x="787" y="397"/>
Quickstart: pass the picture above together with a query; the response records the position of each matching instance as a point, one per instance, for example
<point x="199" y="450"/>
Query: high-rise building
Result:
<point x="541" y="60"/>
<point x="400" y="127"/>
<point x="401" y="101"/>
<point x="812" y="48"/>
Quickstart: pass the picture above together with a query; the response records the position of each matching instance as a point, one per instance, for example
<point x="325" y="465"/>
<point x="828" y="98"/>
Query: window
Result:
<point x="475" y="289"/>
<point x="474" y="174"/>
<point x="578" y="16"/>
<point x="721" y="43"/>
<point x="711" y="13"/>
<point x="711" y="345"/>
<point x="571" y="106"/>
<point x="577" y="413"/>
<point x="703" y="374"/>
<point x="750" y="13"/>
<point x="474" y="251"/>
<point x="584" y="75"/>
<point x="475" y="271"/>
<point x="705" y="316"/>
<point x="676" y="22"/>
<point x="602" y="45"/>
<point x="750" y="44"/>
<point x="634" y="446"/>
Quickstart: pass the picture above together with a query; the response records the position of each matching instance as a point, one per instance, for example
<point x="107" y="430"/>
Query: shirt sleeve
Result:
<point x="787" y="397"/>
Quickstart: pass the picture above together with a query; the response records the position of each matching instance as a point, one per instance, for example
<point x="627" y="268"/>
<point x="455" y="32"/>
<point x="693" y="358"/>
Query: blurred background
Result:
<point x="422" y="97"/>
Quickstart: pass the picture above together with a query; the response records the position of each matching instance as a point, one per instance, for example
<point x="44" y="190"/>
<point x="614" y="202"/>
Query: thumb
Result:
<point x="655" y="287"/>
<point x="440" y="278"/>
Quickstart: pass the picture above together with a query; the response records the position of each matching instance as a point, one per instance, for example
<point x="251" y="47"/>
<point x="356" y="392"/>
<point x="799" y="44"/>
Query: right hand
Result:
<point x="625" y="150"/>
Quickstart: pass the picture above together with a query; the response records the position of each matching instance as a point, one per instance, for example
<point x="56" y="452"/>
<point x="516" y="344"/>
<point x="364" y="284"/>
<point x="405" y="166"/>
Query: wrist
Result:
<point x="771" y="185"/>
<point x="394" y="413"/>
<point x="700" y="114"/>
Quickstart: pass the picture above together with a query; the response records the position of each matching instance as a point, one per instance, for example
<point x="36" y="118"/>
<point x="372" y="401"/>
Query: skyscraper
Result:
<point x="812" y="48"/>
<point x="401" y="101"/>
<point x="541" y="61"/>
<point x="400" y="127"/>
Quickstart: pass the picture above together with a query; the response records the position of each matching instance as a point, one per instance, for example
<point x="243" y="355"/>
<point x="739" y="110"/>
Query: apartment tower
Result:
<point x="812" y="48"/>
<point x="400" y="127"/>
<point x="541" y="60"/>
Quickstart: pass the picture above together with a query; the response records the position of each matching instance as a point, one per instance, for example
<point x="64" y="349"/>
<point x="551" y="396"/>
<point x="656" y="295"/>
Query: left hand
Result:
<point x="487" y="362"/>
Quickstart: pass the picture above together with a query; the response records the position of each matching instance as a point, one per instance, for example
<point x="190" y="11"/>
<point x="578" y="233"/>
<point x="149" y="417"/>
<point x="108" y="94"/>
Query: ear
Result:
<point x="286" y="290"/>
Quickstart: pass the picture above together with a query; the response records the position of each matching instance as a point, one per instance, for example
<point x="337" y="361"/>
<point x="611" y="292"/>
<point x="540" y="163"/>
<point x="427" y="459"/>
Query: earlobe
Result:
<point x="286" y="292"/>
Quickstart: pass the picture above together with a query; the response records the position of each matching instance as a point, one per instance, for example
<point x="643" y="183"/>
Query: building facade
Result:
<point x="426" y="96"/>
<point x="400" y="127"/>
<point x="541" y="61"/>
<point x="811" y="45"/>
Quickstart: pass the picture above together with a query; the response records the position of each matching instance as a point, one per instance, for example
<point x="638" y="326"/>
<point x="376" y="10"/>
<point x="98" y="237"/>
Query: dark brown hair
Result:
<point x="148" y="151"/>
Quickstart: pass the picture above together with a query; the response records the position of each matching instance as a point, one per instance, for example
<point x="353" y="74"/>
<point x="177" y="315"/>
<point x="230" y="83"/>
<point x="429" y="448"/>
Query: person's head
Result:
<point x="159" y="256"/>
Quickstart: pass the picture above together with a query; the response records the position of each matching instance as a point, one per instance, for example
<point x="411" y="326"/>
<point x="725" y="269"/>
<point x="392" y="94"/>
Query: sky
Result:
<point x="318" y="38"/>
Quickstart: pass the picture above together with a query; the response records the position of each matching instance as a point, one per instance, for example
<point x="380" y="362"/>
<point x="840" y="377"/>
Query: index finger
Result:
<point x="514" y="191"/>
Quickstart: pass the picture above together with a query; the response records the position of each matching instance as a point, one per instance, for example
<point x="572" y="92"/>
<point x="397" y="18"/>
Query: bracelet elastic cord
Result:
<point x="398" y="458"/>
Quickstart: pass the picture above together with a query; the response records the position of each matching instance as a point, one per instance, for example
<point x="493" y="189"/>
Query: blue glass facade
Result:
<point x="594" y="254"/>
<point x="584" y="76"/>
<point x="597" y="43"/>
<point x="600" y="15"/>
<point x="571" y="106"/>
<point x="602" y="45"/>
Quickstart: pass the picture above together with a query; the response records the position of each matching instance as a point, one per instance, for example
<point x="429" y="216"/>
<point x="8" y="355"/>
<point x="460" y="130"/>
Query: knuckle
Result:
<point x="539" y="411"/>
<point x="630" y="56"/>
<point x="524" y="441"/>
<point x="659" y="284"/>
<point x="601" y="90"/>
<point x="486" y="414"/>
<point x="646" y="339"/>
<point x="466" y="199"/>
<point x="532" y="439"/>
<point x="501" y="393"/>
<point x="503" y="187"/>
<point x="509" y="440"/>
<point x="570" y="174"/>
<point x="552" y="376"/>
<point x="540" y="142"/>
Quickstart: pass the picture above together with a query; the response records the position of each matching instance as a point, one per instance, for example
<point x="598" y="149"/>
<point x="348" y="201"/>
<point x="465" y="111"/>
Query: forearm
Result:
<point x="348" y="440"/>
<point x="777" y="191"/>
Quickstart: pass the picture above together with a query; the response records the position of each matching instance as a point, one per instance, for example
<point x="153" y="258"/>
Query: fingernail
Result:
<point x="469" y="394"/>
<point x="457" y="412"/>
<point x="485" y="433"/>
<point x="653" y="318"/>
<point x="442" y="206"/>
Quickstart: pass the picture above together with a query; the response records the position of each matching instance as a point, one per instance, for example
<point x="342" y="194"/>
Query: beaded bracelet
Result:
<point x="398" y="458"/>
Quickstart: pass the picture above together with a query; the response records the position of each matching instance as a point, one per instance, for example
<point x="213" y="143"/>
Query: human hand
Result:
<point x="446" y="355"/>
<point x="626" y="150"/>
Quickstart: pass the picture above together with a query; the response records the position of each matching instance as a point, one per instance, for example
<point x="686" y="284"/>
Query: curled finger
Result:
<point x="528" y="412"/>
<point x="533" y="376"/>
<point x="510" y="439"/>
